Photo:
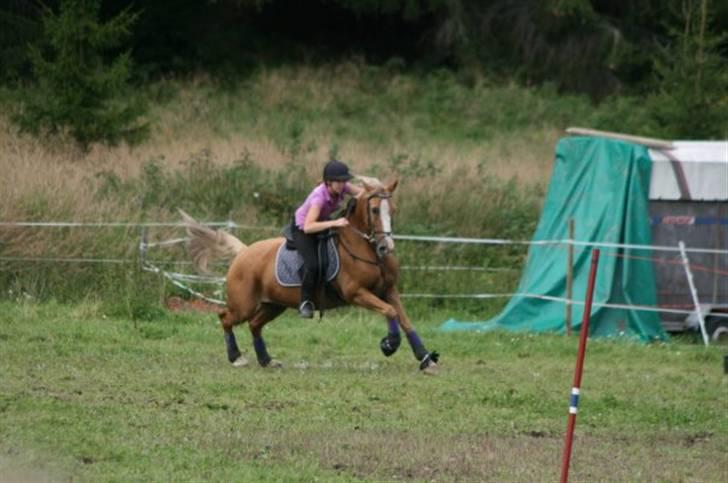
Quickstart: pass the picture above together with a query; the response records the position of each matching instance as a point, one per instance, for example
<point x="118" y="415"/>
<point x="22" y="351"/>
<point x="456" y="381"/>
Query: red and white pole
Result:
<point x="583" y="334"/>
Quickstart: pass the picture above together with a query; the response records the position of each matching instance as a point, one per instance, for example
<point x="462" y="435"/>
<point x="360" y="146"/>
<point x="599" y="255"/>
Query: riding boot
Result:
<point x="308" y="285"/>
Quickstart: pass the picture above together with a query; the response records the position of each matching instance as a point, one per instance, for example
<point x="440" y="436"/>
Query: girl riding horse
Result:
<point x="367" y="277"/>
<point x="312" y="217"/>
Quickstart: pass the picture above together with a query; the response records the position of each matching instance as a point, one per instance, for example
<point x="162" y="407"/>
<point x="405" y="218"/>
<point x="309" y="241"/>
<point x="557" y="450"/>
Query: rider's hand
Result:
<point x="341" y="222"/>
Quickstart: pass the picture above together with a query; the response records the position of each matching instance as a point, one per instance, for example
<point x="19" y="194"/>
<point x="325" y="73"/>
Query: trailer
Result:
<point x="658" y="210"/>
<point x="688" y="202"/>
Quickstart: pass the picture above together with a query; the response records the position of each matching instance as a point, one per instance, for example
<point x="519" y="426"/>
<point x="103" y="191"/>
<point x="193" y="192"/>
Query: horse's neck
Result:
<point x="355" y="241"/>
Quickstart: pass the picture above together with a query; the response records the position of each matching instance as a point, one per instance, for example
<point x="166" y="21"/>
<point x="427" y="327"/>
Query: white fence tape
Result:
<point x="177" y="278"/>
<point x="497" y="241"/>
<point x="177" y="283"/>
<point x="437" y="239"/>
<point x="644" y="308"/>
<point x="80" y="224"/>
<point x="65" y="260"/>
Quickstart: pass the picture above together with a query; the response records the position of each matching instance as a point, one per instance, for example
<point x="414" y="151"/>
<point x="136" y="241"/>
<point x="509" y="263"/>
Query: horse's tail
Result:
<point x="206" y="244"/>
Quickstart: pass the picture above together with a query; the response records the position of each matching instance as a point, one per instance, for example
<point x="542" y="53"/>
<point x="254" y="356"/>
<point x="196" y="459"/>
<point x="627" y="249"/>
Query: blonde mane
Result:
<point x="371" y="181"/>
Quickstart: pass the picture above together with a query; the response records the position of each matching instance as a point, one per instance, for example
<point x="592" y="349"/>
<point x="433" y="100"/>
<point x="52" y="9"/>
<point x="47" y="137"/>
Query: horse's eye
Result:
<point x="375" y="211"/>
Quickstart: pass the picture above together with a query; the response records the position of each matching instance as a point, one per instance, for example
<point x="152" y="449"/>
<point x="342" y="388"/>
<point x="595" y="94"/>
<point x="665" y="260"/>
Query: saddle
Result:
<point x="289" y="263"/>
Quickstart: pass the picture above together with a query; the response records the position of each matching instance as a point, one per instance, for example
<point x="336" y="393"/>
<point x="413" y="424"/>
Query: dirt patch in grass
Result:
<point x="530" y="456"/>
<point x="178" y="304"/>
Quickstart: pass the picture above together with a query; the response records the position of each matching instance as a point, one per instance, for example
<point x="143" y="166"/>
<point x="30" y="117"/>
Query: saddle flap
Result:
<point x="289" y="264"/>
<point x="287" y="233"/>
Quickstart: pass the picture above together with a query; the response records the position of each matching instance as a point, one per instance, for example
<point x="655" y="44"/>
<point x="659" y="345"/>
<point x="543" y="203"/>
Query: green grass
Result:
<point x="89" y="396"/>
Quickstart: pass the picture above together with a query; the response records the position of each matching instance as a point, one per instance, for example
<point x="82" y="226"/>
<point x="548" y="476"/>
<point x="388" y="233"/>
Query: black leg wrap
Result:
<point x="431" y="356"/>
<point x="261" y="352"/>
<point x="232" y="347"/>
<point x="390" y="344"/>
<point x="418" y="349"/>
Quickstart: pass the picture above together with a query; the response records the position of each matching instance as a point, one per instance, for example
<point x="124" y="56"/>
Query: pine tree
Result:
<point x="690" y="99"/>
<point x="75" y="90"/>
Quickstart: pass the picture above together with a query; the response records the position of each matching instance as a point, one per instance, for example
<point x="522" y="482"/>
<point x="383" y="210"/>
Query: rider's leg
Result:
<point x="307" y="247"/>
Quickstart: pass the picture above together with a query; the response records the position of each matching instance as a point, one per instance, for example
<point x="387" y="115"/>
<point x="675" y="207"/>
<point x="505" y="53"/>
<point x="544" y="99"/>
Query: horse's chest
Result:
<point x="374" y="278"/>
<point x="386" y="277"/>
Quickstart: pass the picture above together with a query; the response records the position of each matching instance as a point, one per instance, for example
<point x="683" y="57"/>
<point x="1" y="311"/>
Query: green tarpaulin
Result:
<point x="603" y="186"/>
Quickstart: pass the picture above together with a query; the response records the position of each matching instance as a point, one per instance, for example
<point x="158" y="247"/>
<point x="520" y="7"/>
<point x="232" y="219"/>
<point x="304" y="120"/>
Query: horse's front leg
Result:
<point x="367" y="299"/>
<point x="428" y="360"/>
<point x="390" y="343"/>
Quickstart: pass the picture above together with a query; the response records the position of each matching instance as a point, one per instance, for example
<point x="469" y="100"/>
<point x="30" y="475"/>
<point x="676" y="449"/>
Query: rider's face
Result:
<point x="336" y="187"/>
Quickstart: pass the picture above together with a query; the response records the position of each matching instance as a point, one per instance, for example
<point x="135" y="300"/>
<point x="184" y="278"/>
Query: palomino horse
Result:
<point x="367" y="277"/>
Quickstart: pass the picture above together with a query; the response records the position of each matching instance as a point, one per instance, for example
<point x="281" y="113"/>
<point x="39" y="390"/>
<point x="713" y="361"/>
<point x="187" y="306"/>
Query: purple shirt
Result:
<point x="320" y="197"/>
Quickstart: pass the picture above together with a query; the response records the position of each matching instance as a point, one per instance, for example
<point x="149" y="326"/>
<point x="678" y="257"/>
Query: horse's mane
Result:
<point x="371" y="181"/>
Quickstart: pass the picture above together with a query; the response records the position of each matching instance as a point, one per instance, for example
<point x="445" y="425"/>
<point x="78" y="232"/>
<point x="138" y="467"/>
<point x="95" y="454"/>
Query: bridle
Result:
<point x="375" y="238"/>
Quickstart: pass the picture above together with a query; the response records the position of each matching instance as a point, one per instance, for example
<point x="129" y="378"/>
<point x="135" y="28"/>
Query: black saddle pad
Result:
<point x="289" y="264"/>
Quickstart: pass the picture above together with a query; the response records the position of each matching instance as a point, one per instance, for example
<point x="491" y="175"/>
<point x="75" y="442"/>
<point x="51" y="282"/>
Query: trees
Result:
<point x="75" y="90"/>
<point x="690" y="95"/>
<point x="661" y="51"/>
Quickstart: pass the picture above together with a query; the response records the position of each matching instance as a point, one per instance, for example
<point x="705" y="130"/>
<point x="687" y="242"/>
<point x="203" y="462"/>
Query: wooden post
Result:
<point x="649" y="142"/>
<point x="569" y="276"/>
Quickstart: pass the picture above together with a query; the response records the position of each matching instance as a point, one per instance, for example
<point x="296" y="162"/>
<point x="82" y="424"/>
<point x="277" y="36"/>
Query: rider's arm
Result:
<point x="312" y="225"/>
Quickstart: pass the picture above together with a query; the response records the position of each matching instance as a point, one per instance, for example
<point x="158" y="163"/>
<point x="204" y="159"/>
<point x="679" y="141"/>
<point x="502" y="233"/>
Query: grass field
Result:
<point x="107" y="386"/>
<point x="86" y="396"/>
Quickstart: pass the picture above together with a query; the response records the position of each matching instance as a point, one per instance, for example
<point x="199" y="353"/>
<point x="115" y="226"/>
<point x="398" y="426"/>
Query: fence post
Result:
<point x="569" y="275"/>
<point x="693" y="292"/>
<point x="576" y="387"/>
<point x="143" y="247"/>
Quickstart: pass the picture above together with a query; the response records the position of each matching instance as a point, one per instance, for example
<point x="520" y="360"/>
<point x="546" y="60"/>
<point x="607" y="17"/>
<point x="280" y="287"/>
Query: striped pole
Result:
<point x="583" y="334"/>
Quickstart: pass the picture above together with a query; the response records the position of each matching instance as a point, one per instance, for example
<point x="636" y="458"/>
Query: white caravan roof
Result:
<point x="693" y="170"/>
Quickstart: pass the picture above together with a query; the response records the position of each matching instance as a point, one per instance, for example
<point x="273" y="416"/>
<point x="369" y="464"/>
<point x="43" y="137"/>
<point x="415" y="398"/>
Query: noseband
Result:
<point x="373" y="233"/>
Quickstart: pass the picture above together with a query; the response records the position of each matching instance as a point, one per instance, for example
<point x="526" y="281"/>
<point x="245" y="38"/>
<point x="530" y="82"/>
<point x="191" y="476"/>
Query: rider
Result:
<point x="312" y="217"/>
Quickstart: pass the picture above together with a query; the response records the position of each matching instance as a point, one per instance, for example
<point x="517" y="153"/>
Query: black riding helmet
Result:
<point x="336" y="171"/>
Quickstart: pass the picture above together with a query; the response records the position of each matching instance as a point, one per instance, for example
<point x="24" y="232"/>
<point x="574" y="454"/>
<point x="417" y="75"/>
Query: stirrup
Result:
<point x="306" y="309"/>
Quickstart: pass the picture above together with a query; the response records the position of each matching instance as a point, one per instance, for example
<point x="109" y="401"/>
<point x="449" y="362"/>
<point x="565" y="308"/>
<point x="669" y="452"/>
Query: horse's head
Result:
<point x="372" y="215"/>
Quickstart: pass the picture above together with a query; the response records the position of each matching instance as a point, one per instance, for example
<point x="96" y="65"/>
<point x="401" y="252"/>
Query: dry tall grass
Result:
<point x="65" y="177"/>
<point x="57" y="182"/>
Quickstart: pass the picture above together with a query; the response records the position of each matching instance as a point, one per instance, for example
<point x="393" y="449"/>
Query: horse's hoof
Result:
<point x="240" y="362"/>
<point x="429" y="358"/>
<point x="390" y="344"/>
<point x="274" y="364"/>
<point x="428" y="364"/>
<point x="432" y="369"/>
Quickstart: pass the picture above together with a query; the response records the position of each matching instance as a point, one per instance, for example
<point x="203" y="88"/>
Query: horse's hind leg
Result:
<point x="228" y="319"/>
<point x="262" y="316"/>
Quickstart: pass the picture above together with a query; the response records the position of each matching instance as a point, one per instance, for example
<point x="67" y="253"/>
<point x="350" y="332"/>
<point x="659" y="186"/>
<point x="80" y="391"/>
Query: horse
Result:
<point x="367" y="277"/>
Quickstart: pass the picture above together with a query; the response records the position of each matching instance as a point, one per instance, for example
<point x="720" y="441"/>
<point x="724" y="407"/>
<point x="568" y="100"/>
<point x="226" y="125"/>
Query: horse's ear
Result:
<point x="392" y="186"/>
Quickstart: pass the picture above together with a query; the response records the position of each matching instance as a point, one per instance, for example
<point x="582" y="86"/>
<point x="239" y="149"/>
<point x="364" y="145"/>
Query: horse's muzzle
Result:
<point x="384" y="246"/>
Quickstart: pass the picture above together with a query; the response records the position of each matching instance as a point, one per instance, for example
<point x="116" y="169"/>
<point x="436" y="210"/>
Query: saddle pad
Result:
<point x="289" y="264"/>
